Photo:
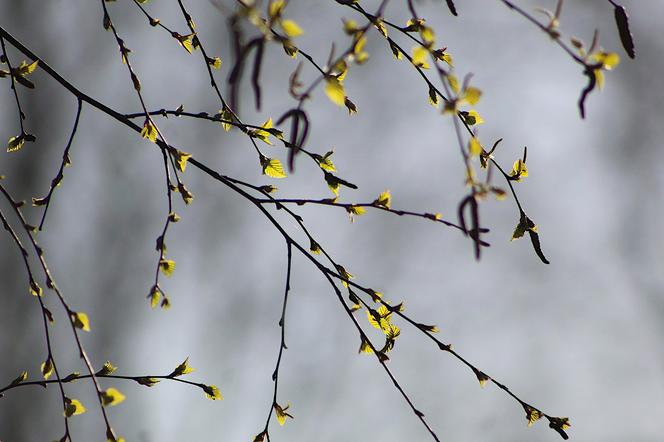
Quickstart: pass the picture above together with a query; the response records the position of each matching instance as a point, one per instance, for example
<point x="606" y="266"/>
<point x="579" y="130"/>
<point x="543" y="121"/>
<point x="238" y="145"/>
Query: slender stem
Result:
<point x="47" y="333"/>
<point x="165" y="150"/>
<point x="65" y="161"/>
<point x="349" y="206"/>
<point x="546" y="30"/>
<point x="50" y="283"/>
<point x="79" y="377"/>
<point x="21" y="115"/>
<point x="282" y="344"/>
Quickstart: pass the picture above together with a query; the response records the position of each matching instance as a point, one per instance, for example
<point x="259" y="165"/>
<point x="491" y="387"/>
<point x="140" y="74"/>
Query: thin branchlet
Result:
<point x="260" y="195"/>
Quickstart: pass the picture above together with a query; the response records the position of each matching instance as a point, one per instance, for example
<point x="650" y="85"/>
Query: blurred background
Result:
<point x="580" y="337"/>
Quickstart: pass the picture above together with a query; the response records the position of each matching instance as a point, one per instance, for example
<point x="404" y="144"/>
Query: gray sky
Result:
<point x="577" y="338"/>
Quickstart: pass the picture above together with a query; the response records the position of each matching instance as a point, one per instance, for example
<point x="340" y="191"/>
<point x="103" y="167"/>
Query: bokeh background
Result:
<point x="579" y="338"/>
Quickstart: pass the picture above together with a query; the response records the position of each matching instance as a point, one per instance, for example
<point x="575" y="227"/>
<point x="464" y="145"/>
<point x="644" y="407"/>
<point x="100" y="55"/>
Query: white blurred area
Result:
<point x="580" y="337"/>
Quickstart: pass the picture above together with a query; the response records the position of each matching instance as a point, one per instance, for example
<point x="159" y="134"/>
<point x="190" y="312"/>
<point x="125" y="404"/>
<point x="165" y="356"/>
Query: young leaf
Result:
<point x="365" y="347"/>
<point x="532" y="414"/>
<point x="414" y="24"/>
<point x="120" y="439"/>
<point x="428" y="35"/>
<point x="186" y="41"/>
<point x="560" y="424"/>
<point x="147" y="381"/>
<point x="49" y="315"/>
<point x="472" y="95"/>
<point x="212" y="392"/>
<point x="392" y="332"/>
<point x="453" y="81"/>
<point x="380" y="319"/>
<point x="15" y="143"/>
<point x="106" y="369"/>
<point x="165" y="303"/>
<point x="608" y="60"/>
<point x="275" y="8"/>
<point x="264" y="132"/>
<point x="359" y="53"/>
<point x="20" y="72"/>
<point x="355" y="210"/>
<point x="37" y="202"/>
<point x="378" y="24"/>
<point x="20" y="378"/>
<point x="314" y="247"/>
<point x="35" y="289"/>
<point x="472" y="118"/>
<point x="149" y="131"/>
<point x="167" y="266"/>
<point x="325" y="161"/>
<point x="352" y="108"/>
<point x="374" y="319"/>
<point x="73" y="407"/>
<point x="396" y="52"/>
<point x="154" y="296"/>
<point x="428" y="328"/>
<point x="291" y="29"/>
<point x="474" y="147"/>
<point x="72" y="376"/>
<point x="25" y="68"/>
<point x="112" y="396"/>
<point x="519" y="170"/>
<point x="355" y="300"/>
<point x="136" y="81"/>
<point x="281" y="413"/>
<point x="181" y="369"/>
<point x="527" y="225"/>
<point x="433" y="96"/>
<point x="333" y="182"/>
<point x="272" y="167"/>
<point x="441" y="55"/>
<point x="187" y="196"/>
<point x="522" y="227"/>
<point x="344" y="275"/>
<point x="419" y="57"/>
<point x="482" y="377"/>
<point x="81" y="321"/>
<point x="181" y="160"/>
<point x="335" y="91"/>
<point x="226" y="115"/>
<point x="289" y="48"/>
<point x="383" y="200"/>
<point x="599" y="77"/>
<point x="215" y="62"/>
<point x="350" y="26"/>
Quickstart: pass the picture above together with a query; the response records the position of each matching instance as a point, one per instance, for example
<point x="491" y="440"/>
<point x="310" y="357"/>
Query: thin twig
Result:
<point x="65" y="161"/>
